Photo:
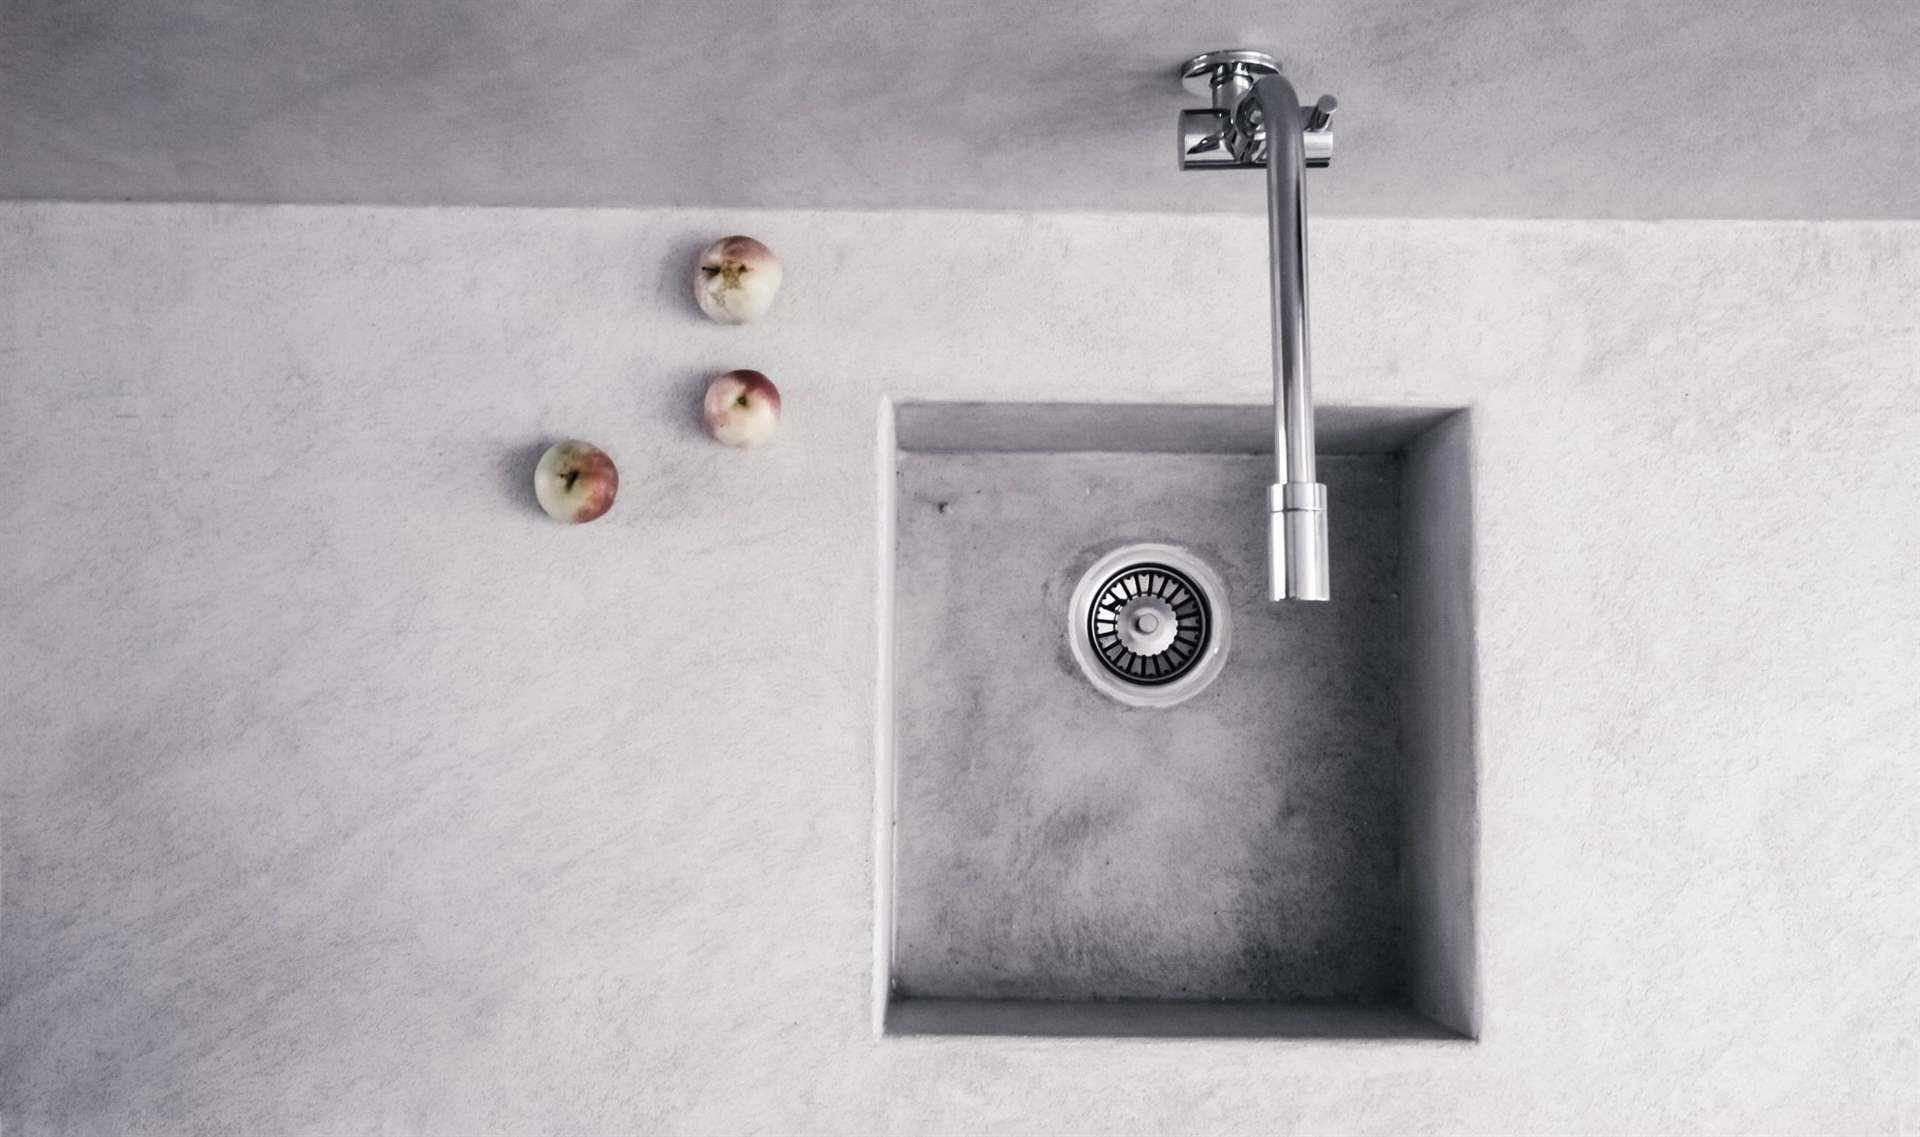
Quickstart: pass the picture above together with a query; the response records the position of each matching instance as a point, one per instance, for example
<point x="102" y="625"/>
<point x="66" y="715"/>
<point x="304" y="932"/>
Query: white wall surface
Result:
<point x="345" y="792"/>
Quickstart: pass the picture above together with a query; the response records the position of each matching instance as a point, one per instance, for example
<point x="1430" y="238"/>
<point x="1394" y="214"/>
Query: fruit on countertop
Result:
<point x="736" y="280"/>
<point x="741" y="408"/>
<point x="575" y="481"/>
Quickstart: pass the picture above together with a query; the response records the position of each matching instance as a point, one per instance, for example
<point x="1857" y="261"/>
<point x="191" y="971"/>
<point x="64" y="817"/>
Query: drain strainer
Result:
<point x="1148" y="624"/>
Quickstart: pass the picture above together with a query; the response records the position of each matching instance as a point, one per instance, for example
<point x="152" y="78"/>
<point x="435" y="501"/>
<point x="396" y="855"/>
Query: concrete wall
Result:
<point x="1480" y="108"/>
<point x="345" y="792"/>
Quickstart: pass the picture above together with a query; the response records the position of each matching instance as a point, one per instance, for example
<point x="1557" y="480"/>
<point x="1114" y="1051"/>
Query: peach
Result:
<point x="741" y="408"/>
<point x="575" y="481"/>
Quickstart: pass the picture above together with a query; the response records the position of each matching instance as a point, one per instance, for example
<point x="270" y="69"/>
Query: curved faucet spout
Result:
<point x="1297" y="502"/>
<point x="1256" y="119"/>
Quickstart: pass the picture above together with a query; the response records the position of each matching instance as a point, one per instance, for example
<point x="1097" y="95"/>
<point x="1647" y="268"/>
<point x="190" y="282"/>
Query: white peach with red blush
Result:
<point x="575" y="481"/>
<point x="736" y="280"/>
<point x="741" y="408"/>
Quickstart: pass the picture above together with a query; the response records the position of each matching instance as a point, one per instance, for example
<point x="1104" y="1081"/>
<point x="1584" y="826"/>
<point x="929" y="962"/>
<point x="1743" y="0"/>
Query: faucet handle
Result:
<point x="1320" y="114"/>
<point x="1317" y="139"/>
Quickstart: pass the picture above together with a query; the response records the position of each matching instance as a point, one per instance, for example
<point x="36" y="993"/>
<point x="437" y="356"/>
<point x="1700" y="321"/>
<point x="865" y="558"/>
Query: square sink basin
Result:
<point x="1287" y="851"/>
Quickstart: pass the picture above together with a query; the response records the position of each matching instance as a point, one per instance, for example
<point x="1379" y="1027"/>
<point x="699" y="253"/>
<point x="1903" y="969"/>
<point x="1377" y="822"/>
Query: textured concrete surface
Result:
<point x="1501" y="108"/>
<point x="344" y="792"/>
<point x="1053" y="843"/>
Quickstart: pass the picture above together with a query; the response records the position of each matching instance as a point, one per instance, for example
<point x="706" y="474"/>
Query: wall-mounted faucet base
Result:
<point x="1230" y="134"/>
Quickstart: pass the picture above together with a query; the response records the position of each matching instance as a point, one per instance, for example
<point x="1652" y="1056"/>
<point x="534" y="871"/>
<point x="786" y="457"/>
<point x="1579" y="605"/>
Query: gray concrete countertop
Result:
<point x="344" y="792"/>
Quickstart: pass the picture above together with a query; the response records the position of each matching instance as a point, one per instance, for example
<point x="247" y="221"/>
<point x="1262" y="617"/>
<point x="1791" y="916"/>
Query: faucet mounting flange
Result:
<point x="1204" y="73"/>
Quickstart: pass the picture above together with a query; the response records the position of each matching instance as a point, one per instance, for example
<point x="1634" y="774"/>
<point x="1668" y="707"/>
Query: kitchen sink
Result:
<point x="1283" y="849"/>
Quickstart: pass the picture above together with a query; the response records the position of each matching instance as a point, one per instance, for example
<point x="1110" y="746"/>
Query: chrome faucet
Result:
<point x="1252" y="107"/>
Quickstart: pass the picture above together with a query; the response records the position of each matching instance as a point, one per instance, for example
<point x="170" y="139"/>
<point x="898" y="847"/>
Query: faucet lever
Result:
<point x="1317" y="139"/>
<point x="1321" y="115"/>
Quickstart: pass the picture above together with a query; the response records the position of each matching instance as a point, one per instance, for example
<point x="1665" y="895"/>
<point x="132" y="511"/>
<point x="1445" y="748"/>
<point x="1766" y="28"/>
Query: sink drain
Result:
<point x="1148" y="625"/>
